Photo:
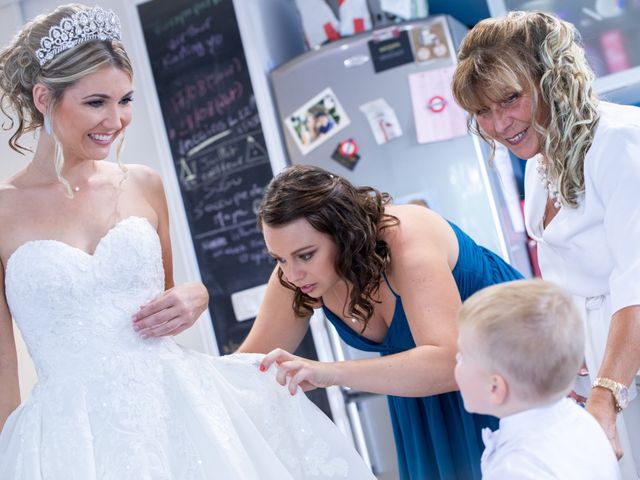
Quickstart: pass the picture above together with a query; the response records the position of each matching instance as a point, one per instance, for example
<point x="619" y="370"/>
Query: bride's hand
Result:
<point x="301" y="372"/>
<point x="171" y="312"/>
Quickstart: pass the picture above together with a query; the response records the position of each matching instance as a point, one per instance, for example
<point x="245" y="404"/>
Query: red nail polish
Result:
<point x="262" y="369"/>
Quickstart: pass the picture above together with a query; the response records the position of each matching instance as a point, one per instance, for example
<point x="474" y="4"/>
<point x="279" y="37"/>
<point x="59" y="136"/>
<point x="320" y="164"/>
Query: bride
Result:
<point x="86" y="255"/>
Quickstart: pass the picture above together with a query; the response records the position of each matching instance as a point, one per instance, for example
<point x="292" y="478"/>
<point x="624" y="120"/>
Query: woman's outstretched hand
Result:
<point x="293" y="371"/>
<point x="171" y="312"/>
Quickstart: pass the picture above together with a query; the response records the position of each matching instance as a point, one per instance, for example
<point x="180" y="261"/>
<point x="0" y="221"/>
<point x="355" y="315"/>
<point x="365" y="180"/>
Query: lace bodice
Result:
<point x="85" y="301"/>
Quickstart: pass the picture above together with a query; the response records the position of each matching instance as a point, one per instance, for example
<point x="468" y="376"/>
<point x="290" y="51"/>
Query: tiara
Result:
<point x="90" y="24"/>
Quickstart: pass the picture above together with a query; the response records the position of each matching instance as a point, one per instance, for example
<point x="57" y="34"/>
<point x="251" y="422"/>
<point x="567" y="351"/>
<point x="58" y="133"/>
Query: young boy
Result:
<point x="519" y="348"/>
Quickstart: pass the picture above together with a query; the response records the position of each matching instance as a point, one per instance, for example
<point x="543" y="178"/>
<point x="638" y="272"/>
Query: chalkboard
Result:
<point x="218" y="149"/>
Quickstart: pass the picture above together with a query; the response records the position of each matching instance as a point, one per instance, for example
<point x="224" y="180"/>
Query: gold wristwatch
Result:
<point x="619" y="391"/>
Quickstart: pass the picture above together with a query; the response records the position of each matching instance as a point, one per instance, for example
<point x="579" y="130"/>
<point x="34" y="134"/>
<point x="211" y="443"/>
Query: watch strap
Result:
<point x="617" y="389"/>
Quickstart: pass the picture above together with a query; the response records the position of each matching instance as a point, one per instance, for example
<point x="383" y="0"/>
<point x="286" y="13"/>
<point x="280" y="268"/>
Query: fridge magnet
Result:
<point x="436" y="114"/>
<point x="346" y="153"/>
<point x="430" y="42"/>
<point x="390" y="48"/>
<point x="437" y="103"/>
<point x="382" y="120"/>
<point x="316" y="121"/>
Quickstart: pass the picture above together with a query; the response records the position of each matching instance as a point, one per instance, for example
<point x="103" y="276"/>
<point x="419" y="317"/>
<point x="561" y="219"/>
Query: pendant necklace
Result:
<point x="353" y="319"/>
<point x="76" y="189"/>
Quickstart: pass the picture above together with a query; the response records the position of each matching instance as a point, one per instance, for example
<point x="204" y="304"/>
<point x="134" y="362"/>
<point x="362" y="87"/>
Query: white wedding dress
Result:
<point x="111" y="405"/>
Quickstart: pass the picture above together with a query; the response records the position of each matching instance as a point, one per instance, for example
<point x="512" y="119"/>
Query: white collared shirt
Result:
<point x="594" y="250"/>
<point x="560" y="441"/>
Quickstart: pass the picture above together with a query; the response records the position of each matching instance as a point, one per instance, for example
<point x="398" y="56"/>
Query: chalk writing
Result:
<point x="218" y="148"/>
<point x="178" y="19"/>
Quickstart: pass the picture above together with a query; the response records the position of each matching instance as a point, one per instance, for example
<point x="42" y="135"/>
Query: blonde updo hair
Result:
<point x="20" y="70"/>
<point x="541" y="54"/>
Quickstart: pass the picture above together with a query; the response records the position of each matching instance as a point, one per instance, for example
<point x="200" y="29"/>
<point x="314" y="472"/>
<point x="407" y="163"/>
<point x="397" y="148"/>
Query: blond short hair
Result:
<point x="529" y="331"/>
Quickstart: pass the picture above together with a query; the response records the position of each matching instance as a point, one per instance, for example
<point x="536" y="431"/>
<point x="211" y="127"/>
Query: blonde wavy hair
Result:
<point x="542" y="55"/>
<point x="20" y="70"/>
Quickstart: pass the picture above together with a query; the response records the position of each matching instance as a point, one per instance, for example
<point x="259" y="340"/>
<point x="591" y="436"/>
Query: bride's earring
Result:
<point x="47" y="124"/>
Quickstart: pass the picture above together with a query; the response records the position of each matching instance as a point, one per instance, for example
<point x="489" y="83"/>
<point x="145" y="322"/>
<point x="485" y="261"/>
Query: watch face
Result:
<point x="623" y="398"/>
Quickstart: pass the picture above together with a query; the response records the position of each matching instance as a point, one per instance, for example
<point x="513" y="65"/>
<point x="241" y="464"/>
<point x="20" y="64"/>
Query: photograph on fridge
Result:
<point x="316" y="121"/>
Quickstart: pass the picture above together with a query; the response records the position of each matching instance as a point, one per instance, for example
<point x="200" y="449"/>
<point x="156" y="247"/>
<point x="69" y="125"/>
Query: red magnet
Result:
<point x="348" y="148"/>
<point x="346" y="153"/>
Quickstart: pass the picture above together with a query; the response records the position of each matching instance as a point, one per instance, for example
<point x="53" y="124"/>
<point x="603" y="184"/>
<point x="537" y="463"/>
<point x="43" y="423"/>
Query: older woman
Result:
<point x="526" y="84"/>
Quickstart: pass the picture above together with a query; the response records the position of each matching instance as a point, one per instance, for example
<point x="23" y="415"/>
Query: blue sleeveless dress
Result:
<point x="436" y="438"/>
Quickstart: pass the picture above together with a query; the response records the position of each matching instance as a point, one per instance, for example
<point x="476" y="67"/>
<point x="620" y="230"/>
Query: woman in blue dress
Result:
<point x="391" y="279"/>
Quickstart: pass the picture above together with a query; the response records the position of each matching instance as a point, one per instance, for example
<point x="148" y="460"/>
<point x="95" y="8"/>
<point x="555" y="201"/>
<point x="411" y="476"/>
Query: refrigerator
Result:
<point x="376" y="108"/>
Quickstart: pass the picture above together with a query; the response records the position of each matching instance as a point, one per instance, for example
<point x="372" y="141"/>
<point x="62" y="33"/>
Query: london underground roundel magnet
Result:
<point x="436" y="104"/>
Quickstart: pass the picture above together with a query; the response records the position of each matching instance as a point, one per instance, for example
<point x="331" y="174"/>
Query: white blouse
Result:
<point x="594" y="249"/>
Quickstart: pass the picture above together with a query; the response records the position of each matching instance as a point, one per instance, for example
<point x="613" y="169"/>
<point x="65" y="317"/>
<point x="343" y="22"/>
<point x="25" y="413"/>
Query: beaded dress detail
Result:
<point x="111" y="405"/>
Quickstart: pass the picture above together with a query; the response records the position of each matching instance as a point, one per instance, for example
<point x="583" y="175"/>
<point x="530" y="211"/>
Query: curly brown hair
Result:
<point x="352" y="216"/>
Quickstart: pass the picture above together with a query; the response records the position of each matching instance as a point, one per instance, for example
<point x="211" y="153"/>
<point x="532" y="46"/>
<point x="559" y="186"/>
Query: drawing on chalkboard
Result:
<point x="255" y="151"/>
<point x="205" y="143"/>
<point x="316" y="121"/>
<point x="188" y="173"/>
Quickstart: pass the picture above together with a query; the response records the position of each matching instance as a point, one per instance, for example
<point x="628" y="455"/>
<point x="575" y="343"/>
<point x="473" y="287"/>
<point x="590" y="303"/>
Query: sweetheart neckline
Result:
<point x="78" y="249"/>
